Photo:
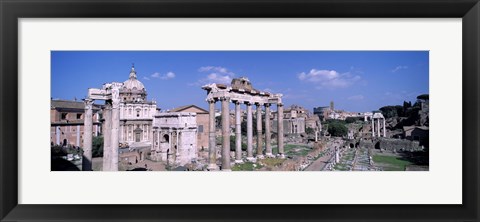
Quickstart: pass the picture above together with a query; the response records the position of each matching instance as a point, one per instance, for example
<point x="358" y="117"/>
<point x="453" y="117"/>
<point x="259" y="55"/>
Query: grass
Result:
<point x="340" y="166"/>
<point x="272" y="162"/>
<point x="392" y="163"/>
<point x="246" y="167"/>
<point x="297" y="150"/>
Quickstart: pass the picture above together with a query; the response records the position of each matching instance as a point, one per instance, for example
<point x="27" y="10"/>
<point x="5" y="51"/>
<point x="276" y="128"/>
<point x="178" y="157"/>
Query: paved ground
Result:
<point x="321" y="162"/>
<point x="140" y="166"/>
<point x="362" y="162"/>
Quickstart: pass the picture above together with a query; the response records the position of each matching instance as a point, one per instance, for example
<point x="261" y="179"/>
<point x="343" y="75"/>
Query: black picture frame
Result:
<point x="11" y="11"/>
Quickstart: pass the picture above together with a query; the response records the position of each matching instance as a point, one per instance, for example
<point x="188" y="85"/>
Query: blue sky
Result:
<point x="355" y="80"/>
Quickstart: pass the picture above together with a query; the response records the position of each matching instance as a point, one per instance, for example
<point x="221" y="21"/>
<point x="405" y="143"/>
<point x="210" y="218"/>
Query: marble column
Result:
<point x="57" y="135"/>
<point x="280" y="134"/>
<point x="238" y="134"/>
<point x="87" y="136"/>
<point x="78" y="136"/>
<point x="268" y="135"/>
<point x="384" y="131"/>
<point x="115" y="130"/>
<point x="259" y="132"/>
<point x="225" y="134"/>
<point x="378" y="127"/>
<point x="337" y="156"/>
<point x="373" y="127"/>
<point x="212" y="152"/>
<point x="107" y="136"/>
<point x="249" y="133"/>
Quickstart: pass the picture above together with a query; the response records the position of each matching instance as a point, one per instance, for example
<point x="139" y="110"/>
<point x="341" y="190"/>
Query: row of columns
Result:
<point x="110" y="135"/>
<point x="225" y="117"/>
<point x="378" y="128"/>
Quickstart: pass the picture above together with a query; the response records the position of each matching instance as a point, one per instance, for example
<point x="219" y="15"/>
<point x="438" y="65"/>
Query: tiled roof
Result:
<point x="69" y="104"/>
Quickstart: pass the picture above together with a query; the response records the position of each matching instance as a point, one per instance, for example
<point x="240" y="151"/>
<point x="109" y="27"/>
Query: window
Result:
<point x="64" y="116"/>
<point x="79" y="115"/>
<point x="138" y="113"/>
<point x="200" y="128"/>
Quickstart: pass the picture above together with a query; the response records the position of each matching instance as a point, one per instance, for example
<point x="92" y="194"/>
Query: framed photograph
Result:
<point x="264" y="110"/>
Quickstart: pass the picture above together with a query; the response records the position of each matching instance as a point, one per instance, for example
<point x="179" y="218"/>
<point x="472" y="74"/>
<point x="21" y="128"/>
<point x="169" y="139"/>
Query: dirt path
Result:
<point x="320" y="163"/>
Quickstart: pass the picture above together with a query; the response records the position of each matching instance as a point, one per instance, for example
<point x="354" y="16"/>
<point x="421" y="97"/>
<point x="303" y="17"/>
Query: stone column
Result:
<point x="57" y="135"/>
<point x="259" y="132"/>
<point x="373" y="127"/>
<point x="107" y="136"/>
<point x="249" y="133"/>
<point x="378" y="127"/>
<point x="87" y="136"/>
<point x="280" y="133"/>
<point x="212" y="152"/>
<point x="238" y="134"/>
<point x="268" y="136"/>
<point x="225" y="134"/>
<point x="78" y="136"/>
<point x="384" y="131"/>
<point x="337" y="156"/>
<point x="115" y="129"/>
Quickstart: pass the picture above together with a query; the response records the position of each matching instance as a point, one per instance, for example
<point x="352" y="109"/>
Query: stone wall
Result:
<point x="397" y="145"/>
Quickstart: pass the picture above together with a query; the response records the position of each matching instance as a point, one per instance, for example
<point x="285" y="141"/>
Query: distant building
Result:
<point x="322" y="112"/>
<point x="297" y="119"/>
<point x="66" y="122"/>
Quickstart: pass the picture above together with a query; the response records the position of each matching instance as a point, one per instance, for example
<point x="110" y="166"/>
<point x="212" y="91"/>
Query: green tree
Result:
<point x="337" y="129"/>
<point x="97" y="146"/>
<point x="309" y="130"/>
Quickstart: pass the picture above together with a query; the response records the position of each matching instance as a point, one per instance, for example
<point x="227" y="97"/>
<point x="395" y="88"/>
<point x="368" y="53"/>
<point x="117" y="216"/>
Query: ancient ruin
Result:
<point x="242" y="92"/>
<point x="174" y="138"/>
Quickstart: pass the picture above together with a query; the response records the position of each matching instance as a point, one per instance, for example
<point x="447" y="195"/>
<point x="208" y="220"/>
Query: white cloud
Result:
<point x="146" y="78"/>
<point x="155" y="75"/>
<point x="168" y="75"/>
<point x="398" y="68"/>
<point x="356" y="97"/>
<point x="216" y="74"/>
<point x="328" y="78"/>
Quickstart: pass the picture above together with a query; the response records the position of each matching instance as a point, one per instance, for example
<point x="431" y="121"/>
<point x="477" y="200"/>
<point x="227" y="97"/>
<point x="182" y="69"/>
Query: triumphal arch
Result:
<point x="241" y="92"/>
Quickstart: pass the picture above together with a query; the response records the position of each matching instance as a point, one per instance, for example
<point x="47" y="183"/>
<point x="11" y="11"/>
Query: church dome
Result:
<point x="132" y="83"/>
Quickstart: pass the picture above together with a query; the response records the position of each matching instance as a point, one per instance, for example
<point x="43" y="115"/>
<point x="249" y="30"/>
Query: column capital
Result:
<point x="267" y="104"/>
<point x="88" y="103"/>
<point x="279" y="104"/>
<point x="259" y="104"/>
<point x="248" y="103"/>
<point x="237" y="102"/>
<point x="223" y="98"/>
<point x="211" y="100"/>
